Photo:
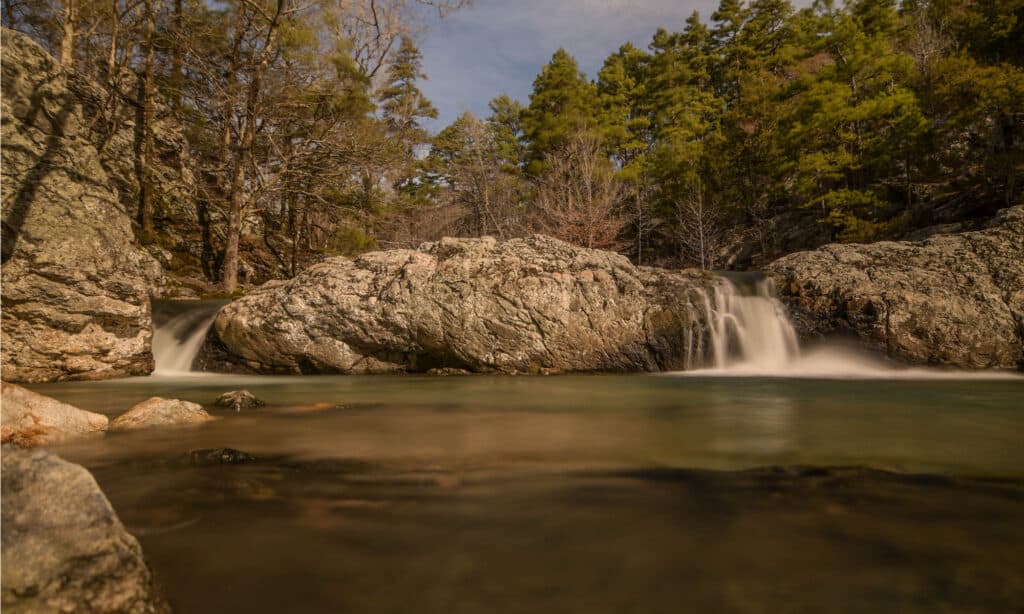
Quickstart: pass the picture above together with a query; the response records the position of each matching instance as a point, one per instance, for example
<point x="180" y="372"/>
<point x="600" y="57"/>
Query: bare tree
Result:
<point x="699" y="228"/>
<point x="579" y="198"/>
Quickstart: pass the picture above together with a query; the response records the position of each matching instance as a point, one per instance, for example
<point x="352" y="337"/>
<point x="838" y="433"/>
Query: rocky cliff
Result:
<point x="954" y="299"/>
<point x="524" y="305"/>
<point x="76" y="288"/>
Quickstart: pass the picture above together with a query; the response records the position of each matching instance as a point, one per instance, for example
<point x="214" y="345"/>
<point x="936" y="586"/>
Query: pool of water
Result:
<point x="632" y="493"/>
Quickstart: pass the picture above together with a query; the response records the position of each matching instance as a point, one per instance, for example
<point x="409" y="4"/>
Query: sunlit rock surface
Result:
<point x="75" y="287"/>
<point x="953" y="299"/>
<point x="64" y="548"/>
<point x="524" y="305"/>
<point x="30" y="419"/>
<point x="155" y="412"/>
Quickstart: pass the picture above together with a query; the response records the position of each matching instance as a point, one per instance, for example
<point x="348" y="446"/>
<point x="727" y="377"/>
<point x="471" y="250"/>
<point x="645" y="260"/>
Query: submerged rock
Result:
<point x="953" y="300"/>
<point x="219" y="456"/>
<point x="75" y="286"/>
<point x="30" y="419"/>
<point x="238" y="400"/>
<point x="524" y="305"/>
<point x="64" y="548"/>
<point x="160" y="412"/>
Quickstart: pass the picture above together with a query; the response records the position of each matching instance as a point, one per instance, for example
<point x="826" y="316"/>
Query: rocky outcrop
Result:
<point x="75" y="287"/>
<point x="64" y="548"/>
<point x="953" y="299"/>
<point x="523" y="305"/>
<point x="160" y="412"/>
<point x="30" y="419"/>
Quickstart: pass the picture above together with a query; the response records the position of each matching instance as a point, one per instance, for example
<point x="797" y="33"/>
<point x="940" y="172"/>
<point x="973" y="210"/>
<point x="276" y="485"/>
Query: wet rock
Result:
<point x="75" y="286"/>
<point x="64" y="548"/>
<point x="220" y="456"/>
<point x="160" y="412"/>
<point x="953" y="299"/>
<point x="238" y="400"/>
<point x="520" y="306"/>
<point x="30" y="419"/>
<point x="444" y="371"/>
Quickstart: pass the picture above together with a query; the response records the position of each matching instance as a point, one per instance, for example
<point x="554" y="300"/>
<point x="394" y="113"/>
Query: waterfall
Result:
<point x="179" y="328"/>
<point x="747" y="328"/>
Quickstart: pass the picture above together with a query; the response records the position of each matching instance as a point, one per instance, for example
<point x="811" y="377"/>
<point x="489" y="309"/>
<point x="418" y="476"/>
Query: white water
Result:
<point x="751" y="336"/>
<point x="176" y="342"/>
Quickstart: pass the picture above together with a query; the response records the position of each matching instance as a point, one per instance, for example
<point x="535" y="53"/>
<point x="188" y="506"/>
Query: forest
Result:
<point x="737" y="137"/>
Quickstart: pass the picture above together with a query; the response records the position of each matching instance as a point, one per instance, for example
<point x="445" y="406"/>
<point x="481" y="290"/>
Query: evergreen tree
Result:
<point x="403" y="105"/>
<point x="562" y="104"/>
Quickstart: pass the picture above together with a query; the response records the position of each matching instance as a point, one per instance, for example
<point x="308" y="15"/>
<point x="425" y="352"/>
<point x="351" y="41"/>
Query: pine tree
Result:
<point x="562" y="104"/>
<point x="403" y="105"/>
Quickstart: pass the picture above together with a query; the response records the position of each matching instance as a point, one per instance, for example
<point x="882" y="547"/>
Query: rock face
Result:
<point x="64" y="548"/>
<point x="75" y="287"/>
<point x="160" y="412"/>
<point x="31" y="419"/>
<point x="523" y="305"/>
<point x="948" y="300"/>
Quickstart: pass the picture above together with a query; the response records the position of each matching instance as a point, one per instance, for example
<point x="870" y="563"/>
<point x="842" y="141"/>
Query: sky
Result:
<point x="498" y="46"/>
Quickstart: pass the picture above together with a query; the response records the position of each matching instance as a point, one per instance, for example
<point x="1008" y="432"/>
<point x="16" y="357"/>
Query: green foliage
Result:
<point x="562" y="104"/>
<point x="403" y="105"/>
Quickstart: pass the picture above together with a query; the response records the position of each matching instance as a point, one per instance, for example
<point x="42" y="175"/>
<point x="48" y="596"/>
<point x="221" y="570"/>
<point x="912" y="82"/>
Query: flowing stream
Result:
<point x="771" y="478"/>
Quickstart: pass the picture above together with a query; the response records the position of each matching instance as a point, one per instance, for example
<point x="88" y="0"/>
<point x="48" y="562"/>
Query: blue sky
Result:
<point x="498" y="46"/>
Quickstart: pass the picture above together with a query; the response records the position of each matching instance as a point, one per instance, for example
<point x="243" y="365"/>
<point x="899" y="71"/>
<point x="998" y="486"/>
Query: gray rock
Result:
<point x="953" y="299"/>
<point x="160" y="412"/>
<point x="75" y="287"/>
<point x="519" y="306"/>
<point x="64" y="548"/>
<point x="30" y="419"/>
<point x="238" y="400"/>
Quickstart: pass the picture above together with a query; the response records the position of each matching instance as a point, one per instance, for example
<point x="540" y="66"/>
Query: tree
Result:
<point x="563" y="103"/>
<point x="578" y="195"/>
<point x="403" y="105"/>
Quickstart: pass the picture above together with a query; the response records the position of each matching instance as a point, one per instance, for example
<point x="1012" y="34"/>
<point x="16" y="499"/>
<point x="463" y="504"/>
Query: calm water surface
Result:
<point x="576" y="494"/>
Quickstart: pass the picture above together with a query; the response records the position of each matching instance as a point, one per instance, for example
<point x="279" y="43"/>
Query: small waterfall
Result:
<point x="747" y="327"/>
<point x="179" y="328"/>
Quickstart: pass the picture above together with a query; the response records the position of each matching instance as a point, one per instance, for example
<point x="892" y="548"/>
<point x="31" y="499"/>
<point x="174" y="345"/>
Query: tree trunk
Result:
<point x="67" y="41"/>
<point x="115" y="29"/>
<point x="146" y="178"/>
<point x="243" y="155"/>
<point x="177" y="57"/>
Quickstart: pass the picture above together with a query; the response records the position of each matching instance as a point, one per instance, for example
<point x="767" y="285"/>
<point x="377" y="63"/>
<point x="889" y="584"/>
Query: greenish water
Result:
<point x="576" y="494"/>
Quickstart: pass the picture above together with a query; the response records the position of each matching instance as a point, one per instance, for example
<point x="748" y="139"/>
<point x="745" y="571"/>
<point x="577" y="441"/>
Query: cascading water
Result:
<point x="748" y="327"/>
<point x="179" y="328"/>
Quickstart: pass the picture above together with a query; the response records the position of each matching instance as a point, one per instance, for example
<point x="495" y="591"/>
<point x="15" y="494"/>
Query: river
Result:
<point x="600" y="493"/>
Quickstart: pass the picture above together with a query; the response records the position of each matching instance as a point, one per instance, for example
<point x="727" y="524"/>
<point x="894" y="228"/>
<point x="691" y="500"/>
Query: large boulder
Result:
<point x="523" y="305"/>
<point x="160" y="412"/>
<point x="64" y="548"/>
<point x="75" y="286"/>
<point x="30" y="419"/>
<point x="953" y="299"/>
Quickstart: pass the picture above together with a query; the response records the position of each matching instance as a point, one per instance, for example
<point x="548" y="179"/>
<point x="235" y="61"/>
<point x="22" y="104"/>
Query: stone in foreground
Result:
<point x="238" y="400"/>
<point x="157" y="412"/>
<point x="64" y="548"/>
<point x="30" y="419"/>
<point x="528" y="305"/>
<point x="955" y="300"/>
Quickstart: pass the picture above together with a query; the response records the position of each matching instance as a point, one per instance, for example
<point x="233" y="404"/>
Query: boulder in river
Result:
<point x="954" y="299"/>
<point x="64" y="548"/>
<point x="238" y="400"/>
<point x="160" y="412"/>
<point x="519" y="306"/>
<point x="76" y="287"/>
<point x="30" y="419"/>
